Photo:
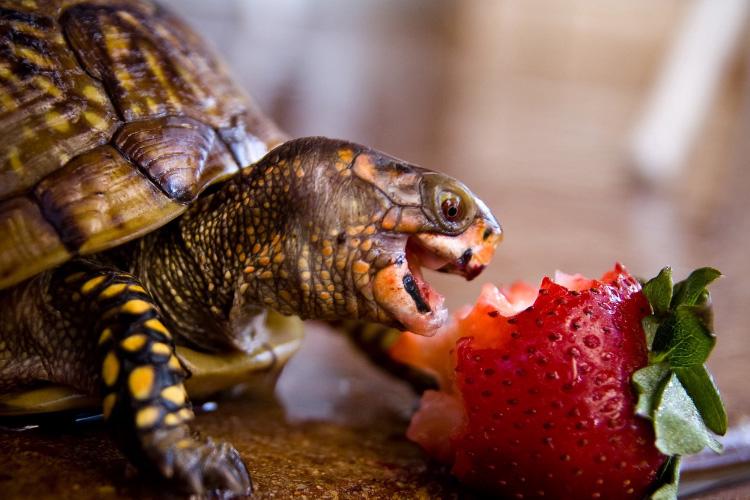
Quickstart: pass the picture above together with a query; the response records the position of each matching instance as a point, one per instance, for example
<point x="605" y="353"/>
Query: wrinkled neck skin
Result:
<point x="271" y="237"/>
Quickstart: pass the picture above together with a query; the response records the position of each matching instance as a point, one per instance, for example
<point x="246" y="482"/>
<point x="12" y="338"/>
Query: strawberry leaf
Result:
<point x="691" y="341"/>
<point x="668" y="480"/>
<point x="650" y="326"/>
<point x="702" y="389"/>
<point x="658" y="291"/>
<point x="648" y="381"/>
<point x="675" y="391"/>
<point x="664" y="338"/>
<point x="689" y="290"/>
<point x="679" y="428"/>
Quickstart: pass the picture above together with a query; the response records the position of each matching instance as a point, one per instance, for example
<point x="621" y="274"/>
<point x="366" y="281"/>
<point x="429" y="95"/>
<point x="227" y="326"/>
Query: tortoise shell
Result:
<point x="114" y="116"/>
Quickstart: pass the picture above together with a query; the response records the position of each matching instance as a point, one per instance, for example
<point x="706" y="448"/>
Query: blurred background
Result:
<point x="597" y="131"/>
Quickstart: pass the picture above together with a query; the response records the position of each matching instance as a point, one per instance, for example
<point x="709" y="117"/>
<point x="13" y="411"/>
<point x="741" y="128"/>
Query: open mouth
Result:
<point x="426" y="299"/>
<point x="400" y="287"/>
<point x="403" y="291"/>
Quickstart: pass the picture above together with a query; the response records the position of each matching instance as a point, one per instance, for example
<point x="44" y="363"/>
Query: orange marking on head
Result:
<point x="345" y="155"/>
<point x="390" y="219"/>
<point x="364" y="168"/>
<point x="360" y="267"/>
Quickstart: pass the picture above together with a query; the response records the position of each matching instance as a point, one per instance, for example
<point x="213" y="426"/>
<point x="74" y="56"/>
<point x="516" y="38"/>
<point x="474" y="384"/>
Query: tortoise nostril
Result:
<point x="487" y="233"/>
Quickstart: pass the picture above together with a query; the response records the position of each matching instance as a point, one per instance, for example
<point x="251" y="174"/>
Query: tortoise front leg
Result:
<point x="143" y="398"/>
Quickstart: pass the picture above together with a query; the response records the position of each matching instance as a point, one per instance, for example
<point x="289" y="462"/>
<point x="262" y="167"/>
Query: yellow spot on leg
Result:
<point x="147" y="417"/>
<point x="112" y="290"/>
<point x="172" y="419"/>
<point x="158" y="326"/>
<point x="108" y="404"/>
<point x="141" y="382"/>
<point x="186" y="414"/>
<point x="161" y="348"/>
<point x="174" y="394"/>
<point x="110" y="369"/>
<point x="134" y="342"/>
<point x="135" y="306"/>
<point x="174" y="363"/>
<point x="105" y="336"/>
<point x="185" y="443"/>
<point x="91" y="284"/>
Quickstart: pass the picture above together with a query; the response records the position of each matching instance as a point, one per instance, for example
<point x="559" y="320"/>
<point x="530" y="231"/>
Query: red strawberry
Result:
<point x="540" y="402"/>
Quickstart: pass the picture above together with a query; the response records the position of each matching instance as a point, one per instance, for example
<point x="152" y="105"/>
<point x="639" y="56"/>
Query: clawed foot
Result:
<point x="199" y="466"/>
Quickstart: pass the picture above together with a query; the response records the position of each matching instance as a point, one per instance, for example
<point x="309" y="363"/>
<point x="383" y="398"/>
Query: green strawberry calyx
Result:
<point x="675" y="390"/>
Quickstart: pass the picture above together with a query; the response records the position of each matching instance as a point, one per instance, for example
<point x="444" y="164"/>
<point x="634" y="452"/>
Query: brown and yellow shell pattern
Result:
<point x="113" y="117"/>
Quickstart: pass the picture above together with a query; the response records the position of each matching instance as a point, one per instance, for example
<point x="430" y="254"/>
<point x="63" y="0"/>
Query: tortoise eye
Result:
<point x="450" y="204"/>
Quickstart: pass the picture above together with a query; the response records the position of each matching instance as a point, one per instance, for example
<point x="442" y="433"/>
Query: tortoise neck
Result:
<point x="230" y="255"/>
<point x="286" y="234"/>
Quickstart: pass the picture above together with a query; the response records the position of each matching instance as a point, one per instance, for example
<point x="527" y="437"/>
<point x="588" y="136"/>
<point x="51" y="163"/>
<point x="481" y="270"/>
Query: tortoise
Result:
<point x="154" y="223"/>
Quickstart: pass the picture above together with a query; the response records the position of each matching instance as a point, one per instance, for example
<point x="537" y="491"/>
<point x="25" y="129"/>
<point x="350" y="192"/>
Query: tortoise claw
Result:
<point x="201" y="467"/>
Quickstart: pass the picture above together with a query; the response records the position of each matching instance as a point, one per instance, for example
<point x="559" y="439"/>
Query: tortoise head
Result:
<point x="361" y="225"/>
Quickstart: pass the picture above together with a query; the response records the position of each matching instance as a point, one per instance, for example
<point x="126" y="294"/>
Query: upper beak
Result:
<point x="479" y="241"/>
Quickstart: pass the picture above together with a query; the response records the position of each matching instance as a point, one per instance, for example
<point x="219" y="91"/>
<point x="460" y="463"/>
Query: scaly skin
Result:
<point x="318" y="228"/>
